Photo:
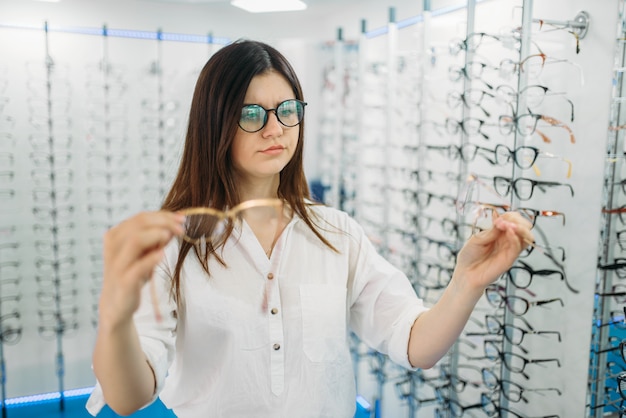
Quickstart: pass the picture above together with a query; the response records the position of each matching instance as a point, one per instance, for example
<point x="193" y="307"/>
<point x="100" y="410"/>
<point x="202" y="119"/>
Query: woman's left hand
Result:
<point x="489" y="254"/>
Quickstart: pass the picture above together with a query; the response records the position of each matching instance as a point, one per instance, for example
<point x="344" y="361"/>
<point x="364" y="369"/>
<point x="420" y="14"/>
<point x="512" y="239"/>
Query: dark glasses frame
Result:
<point x="504" y="185"/>
<point x="276" y="112"/>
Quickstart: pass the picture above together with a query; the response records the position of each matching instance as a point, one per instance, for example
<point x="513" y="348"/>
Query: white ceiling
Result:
<point x="308" y="2"/>
<point x="320" y="20"/>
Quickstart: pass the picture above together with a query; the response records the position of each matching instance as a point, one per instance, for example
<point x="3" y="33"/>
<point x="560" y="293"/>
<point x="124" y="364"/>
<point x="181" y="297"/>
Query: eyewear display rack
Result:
<point x="476" y="117"/>
<point x="49" y="115"/>
<point x="95" y="138"/>
<point x="607" y="369"/>
<point x="338" y="98"/>
<point x="10" y="280"/>
<point x="107" y="156"/>
<point x="160" y="123"/>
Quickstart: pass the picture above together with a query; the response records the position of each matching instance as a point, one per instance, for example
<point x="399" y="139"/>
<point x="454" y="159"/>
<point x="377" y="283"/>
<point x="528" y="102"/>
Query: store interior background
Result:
<point x="399" y="85"/>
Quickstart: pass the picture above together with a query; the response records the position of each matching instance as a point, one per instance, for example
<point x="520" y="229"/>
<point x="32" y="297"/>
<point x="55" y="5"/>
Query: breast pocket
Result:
<point x="323" y="321"/>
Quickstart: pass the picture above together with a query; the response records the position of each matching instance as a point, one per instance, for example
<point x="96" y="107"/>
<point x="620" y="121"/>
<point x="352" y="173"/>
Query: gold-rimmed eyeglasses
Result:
<point x="526" y="125"/>
<point x="212" y="226"/>
<point x="534" y="65"/>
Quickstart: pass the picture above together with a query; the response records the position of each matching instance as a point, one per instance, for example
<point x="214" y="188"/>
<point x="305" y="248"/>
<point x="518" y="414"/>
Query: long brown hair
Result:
<point x="205" y="175"/>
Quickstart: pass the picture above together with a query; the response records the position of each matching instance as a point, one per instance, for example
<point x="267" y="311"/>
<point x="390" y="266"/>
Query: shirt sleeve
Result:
<point x="156" y="336"/>
<point x="384" y="305"/>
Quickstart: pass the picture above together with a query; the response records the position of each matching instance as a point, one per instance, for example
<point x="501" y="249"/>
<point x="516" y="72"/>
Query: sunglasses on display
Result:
<point x="254" y="117"/>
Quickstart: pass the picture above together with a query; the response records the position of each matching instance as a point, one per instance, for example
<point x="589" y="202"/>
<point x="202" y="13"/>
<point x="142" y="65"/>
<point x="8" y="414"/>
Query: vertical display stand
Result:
<point x="155" y="124"/>
<point x="108" y="157"/>
<point x="360" y="116"/>
<point x="338" y="55"/>
<point x="338" y="125"/>
<point x="332" y="123"/>
<point x="10" y="294"/>
<point x="55" y="318"/>
<point x="392" y="122"/>
<point x="608" y="316"/>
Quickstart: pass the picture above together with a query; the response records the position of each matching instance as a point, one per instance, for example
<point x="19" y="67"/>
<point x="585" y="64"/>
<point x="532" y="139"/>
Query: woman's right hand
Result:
<point x="131" y="251"/>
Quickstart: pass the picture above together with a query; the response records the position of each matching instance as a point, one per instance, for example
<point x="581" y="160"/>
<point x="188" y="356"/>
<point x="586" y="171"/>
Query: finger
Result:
<point x="131" y="230"/>
<point x="505" y="234"/>
<point x="142" y="270"/>
<point x="515" y="240"/>
<point x="121" y="298"/>
<point x="512" y="244"/>
<point x="136" y="245"/>
<point x="518" y="219"/>
<point x="145" y="265"/>
<point x="163" y="219"/>
<point x="521" y="229"/>
<point x="487" y="236"/>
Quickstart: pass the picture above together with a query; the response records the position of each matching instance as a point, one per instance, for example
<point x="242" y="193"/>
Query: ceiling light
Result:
<point x="264" y="6"/>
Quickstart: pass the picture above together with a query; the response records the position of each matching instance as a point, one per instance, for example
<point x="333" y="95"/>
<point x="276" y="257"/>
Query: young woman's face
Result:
<point x="265" y="153"/>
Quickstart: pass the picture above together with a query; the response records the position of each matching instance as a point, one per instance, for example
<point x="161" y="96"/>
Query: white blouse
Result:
<point x="269" y="337"/>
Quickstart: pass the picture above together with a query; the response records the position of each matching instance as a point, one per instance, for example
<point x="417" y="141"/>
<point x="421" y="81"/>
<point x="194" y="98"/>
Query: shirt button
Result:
<point x="276" y="346"/>
<point x="274" y="311"/>
<point x="270" y="276"/>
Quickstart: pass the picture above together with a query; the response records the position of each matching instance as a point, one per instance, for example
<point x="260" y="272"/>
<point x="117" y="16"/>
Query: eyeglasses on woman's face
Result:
<point x="254" y="117"/>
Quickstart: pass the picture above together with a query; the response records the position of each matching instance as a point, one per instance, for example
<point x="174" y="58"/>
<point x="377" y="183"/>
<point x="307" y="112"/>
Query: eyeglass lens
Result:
<point x="254" y="117"/>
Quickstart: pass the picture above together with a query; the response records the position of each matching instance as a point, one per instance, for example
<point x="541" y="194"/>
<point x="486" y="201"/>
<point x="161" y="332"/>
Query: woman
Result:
<point x="256" y="323"/>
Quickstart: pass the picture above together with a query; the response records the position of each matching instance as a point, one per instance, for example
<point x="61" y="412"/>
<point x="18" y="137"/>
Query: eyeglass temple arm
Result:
<point x="549" y="213"/>
<point x="554" y="122"/>
<point x="546" y="360"/>
<point x="545" y="138"/>
<point x="553" y="213"/>
<point x="547" y="301"/>
<point x="548" y="272"/>
<point x="550" y="155"/>
<point x="572" y="106"/>
<point x="557" y="333"/>
<point x="555" y="183"/>
<point x="606" y="350"/>
<point x="480" y="131"/>
<point x="617" y="128"/>
<point x="557" y="390"/>
<point x="487" y="150"/>
<point x="154" y="299"/>
<point x="529" y="327"/>
<point x="479" y="334"/>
